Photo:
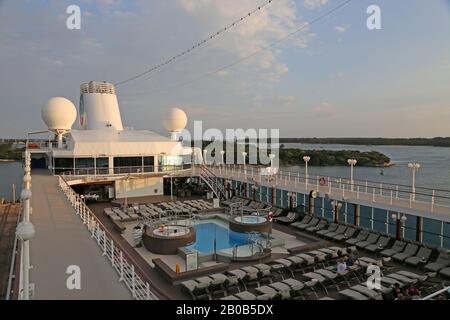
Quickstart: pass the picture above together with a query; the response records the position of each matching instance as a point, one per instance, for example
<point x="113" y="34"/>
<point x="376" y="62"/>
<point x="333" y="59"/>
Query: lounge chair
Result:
<point x="266" y="290"/>
<point x="332" y="227"/>
<point x="410" y="250"/>
<point x="372" y="294"/>
<point x="222" y="283"/>
<point x="371" y="239"/>
<point x="353" y="295"/>
<point x="412" y="275"/>
<point x="244" y="295"/>
<point x="402" y="278"/>
<point x="197" y="290"/>
<point x="382" y="243"/>
<point x="421" y="257"/>
<point x="264" y="273"/>
<point x="320" y="226"/>
<point x="298" y="263"/>
<point x="382" y="289"/>
<point x="396" y="248"/>
<point x="312" y="223"/>
<point x="305" y="221"/>
<point x="350" y="232"/>
<point x="310" y="260"/>
<point x="340" y="230"/>
<point x="442" y="261"/>
<point x="290" y="217"/>
<point x="283" y="290"/>
<point x="295" y="286"/>
<point x="362" y="235"/>
<point x="331" y="254"/>
<point x="445" y="272"/>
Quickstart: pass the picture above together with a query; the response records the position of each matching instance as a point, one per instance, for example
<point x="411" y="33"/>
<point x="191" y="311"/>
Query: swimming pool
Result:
<point x="225" y="238"/>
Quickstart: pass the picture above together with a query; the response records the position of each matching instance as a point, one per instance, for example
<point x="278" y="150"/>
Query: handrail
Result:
<point x="121" y="261"/>
<point x="446" y="289"/>
<point x="12" y="276"/>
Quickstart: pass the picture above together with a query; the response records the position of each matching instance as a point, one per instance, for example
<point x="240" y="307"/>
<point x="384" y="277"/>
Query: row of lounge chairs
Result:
<point x="411" y="253"/>
<point x="150" y="210"/>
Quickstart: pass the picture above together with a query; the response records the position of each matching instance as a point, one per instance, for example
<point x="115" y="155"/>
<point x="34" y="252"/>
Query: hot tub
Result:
<point x="167" y="239"/>
<point x="250" y="223"/>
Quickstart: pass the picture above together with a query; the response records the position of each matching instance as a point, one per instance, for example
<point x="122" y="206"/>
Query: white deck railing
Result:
<point x="129" y="272"/>
<point x="437" y="293"/>
<point x="394" y="194"/>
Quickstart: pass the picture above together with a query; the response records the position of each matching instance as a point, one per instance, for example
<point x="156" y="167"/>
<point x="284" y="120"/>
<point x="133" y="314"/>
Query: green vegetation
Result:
<point x="7" y="152"/>
<point x="294" y="156"/>
<point x="332" y="158"/>
<point x="435" y="142"/>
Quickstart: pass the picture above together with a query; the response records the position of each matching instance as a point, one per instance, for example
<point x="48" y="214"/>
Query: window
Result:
<point x="170" y="163"/>
<point x="127" y="164"/>
<point x="149" y="164"/>
<point x="84" y="166"/>
<point x="102" y="165"/>
<point x="63" y="165"/>
<point x="365" y="218"/>
<point x="432" y="231"/>
<point x="379" y="219"/>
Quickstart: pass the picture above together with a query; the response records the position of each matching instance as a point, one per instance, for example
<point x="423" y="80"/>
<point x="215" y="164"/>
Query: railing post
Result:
<point x="381" y="189"/>
<point x="104" y="242"/>
<point x="112" y="252"/>
<point x="432" y="202"/>
<point x="357" y="192"/>
<point x="373" y="194"/>
<point x="396" y="191"/>
<point x="391" y="196"/>
<point x="366" y="186"/>
<point x="121" y="265"/>
<point x="133" y="281"/>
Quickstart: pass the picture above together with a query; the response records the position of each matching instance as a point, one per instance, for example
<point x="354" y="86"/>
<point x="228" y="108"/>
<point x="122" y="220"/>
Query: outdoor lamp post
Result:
<point x="306" y="159"/>
<point x="352" y="163"/>
<point x="400" y="220"/>
<point x="204" y="156"/>
<point x="336" y="205"/>
<point x="244" y="155"/>
<point x="414" y="166"/>
<point x="222" y="153"/>
<point x="271" y="156"/>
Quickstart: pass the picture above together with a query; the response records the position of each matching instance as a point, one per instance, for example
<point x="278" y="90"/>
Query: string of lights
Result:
<point x="259" y="50"/>
<point x="199" y="44"/>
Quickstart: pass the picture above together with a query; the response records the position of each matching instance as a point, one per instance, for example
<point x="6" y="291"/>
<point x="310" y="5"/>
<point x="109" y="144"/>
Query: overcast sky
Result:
<point x="335" y="78"/>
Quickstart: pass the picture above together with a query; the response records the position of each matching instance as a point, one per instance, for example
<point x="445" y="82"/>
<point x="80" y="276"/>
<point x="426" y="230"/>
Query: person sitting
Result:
<point x="350" y="259"/>
<point x="341" y="266"/>
<point x="413" y="291"/>
<point x="397" y="292"/>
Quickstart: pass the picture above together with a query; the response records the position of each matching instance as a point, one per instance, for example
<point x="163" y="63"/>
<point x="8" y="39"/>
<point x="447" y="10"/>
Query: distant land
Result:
<point x="434" y="142"/>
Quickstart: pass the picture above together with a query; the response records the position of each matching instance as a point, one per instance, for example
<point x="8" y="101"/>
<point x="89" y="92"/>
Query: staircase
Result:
<point x="210" y="179"/>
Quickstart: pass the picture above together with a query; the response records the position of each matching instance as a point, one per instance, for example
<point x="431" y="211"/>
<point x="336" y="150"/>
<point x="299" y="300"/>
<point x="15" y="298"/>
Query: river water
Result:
<point x="434" y="172"/>
<point x="10" y="173"/>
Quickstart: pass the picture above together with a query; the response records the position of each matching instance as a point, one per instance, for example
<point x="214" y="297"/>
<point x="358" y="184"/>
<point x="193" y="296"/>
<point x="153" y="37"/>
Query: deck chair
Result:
<point x="311" y="223"/>
<point x="264" y="273"/>
<point x="266" y="290"/>
<point x="445" y="272"/>
<point x="244" y="295"/>
<point x="410" y="250"/>
<point x="283" y="290"/>
<point x="350" y="232"/>
<point x="382" y="243"/>
<point x="353" y="295"/>
<point x="371" y="239"/>
<point x="309" y="259"/>
<point x="296" y="286"/>
<point x="340" y="230"/>
<point x="290" y="217"/>
<point x="412" y="275"/>
<point x="197" y="290"/>
<point x="442" y="261"/>
<point x="402" y="278"/>
<point x="320" y="226"/>
<point x="396" y="248"/>
<point x="371" y="294"/>
<point x="332" y="227"/>
<point x="362" y="235"/>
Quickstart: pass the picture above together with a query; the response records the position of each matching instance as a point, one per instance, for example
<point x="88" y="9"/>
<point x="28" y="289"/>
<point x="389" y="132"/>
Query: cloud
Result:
<point x="324" y="109"/>
<point x="258" y="31"/>
<point x="313" y="4"/>
<point x="342" y="28"/>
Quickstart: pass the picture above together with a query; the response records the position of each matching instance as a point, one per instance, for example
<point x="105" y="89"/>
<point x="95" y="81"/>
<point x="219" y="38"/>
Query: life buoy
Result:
<point x="322" y="181"/>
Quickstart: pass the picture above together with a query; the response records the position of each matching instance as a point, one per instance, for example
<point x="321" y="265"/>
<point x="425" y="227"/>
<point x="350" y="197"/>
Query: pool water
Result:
<point x="225" y="238"/>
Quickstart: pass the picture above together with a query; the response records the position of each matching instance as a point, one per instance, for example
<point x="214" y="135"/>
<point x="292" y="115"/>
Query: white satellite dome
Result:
<point x="59" y="114"/>
<point x="175" y="120"/>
